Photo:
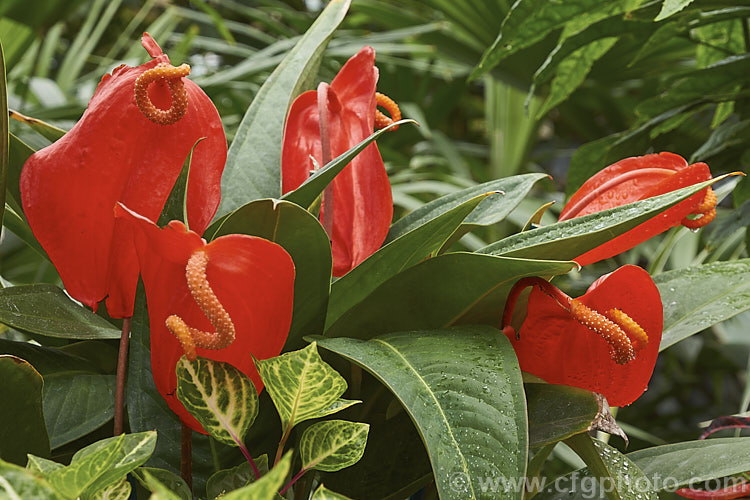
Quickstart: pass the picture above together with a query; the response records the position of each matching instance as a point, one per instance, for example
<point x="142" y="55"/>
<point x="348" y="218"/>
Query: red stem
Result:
<point x="122" y="370"/>
<point x="325" y="148"/>
<point x="294" y="480"/>
<point x="248" y="457"/>
<point x="523" y="284"/>
<point x="186" y="455"/>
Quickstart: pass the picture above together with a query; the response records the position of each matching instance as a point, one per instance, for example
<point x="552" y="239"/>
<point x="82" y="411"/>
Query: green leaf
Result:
<point x="253" y="168"/>
<point x="306" y="194"/>
<point x="301" y="385"/>
<point x="114" y="491"/>
<point x="22" y="427"/>
<point x="323" y="493"/>
<point x="493" y="209"/>
<point x="404" y="252"/>
<point x="618" y="476"/>
<point x="166" y="479"/>
<point x="46" y="130"/>
<point x="76" y="403"/>
<point x="462" y="388"/>
<point x="48" y="360"/>
<point x="572" y="72"/>
<point x="333" y="445"/>
<point x="18" y="483"/>
<point x="222" y="398"/>
<point x="302" y="236"/>
<point x="574" y="237"/>
<point x="42" y="465"/>
<point x="241" y="475"/>
<point x="46" y="310"/>
<point x="442" y="291"/>
<point x="266" y="487"/>
<point x="175" y="208"/>
<point x="529" y="21"/>
<point x="4" y="133"/>
<point x="691" y="462"/>
<point x="73" y="480"/>
<point x="671" y="7"/>
<point x="130" y="451"/>
<point x="699" y="297"/>
<point x="557" y="412"/>
<point x="159" y="490"/>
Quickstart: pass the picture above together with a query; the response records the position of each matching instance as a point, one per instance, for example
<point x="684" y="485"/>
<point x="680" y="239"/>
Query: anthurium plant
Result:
<point x="252" y="319"/>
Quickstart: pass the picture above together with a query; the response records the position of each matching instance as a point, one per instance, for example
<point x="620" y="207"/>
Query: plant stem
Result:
<point x="186" y="455"/>
<point x="325" y="148"/>
<point x="294" y="480"/>
<point x="282" y="443"/>
<point x="246" y="452"/>
<point x="122" y="369"/>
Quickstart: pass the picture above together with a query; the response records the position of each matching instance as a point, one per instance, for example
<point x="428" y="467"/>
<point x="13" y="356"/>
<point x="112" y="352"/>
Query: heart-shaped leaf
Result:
<point x="267" y="487"/>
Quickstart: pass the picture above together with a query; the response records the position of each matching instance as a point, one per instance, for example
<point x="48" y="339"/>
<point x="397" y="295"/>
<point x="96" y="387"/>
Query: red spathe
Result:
<point x="363" y="205"/>
<point x="560" y="350"/>
<point x="253" y="278"/>
<point x="641" y="177"/>
<point x="114" y="153"/>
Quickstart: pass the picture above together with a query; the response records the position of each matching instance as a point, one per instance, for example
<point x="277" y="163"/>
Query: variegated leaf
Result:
<point x="301" y="385"/>
<point x="241" y="475"/>
<point x="42" y="466"/>
<point x="17" y="482"/>
<point x="332" y="445"/>
<point x="222" y="398"/>
<point x="115" y="491"/>
<point x="265" y="488"/>
<point x="323" y="493"/>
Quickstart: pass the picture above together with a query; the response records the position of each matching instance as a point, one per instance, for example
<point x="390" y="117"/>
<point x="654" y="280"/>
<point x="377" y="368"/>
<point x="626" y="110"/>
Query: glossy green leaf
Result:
<point x="333" y="445"/>
<point x="301" y="385"/>
<point x="572" y="238"/>
<point x="47" y="360"/>
<point x="442" y="291"/>
<point x="572" y="71"/>
<point x="266" y="487"/>
<point x="399" y="254"/>
<point x="241" y="475"/>
<point x="699" y="297"/>
<point x="462" y="388"/>
<point x="557" y="412"/>
<point x="175" y="208"/>
<point x="166" y="479"/>
<point x="323" y="493"/>
<point x="671" y="7"/>
<point x="493" y="209"/>
<point x="81" y="474"/>
<point x="46" y="130"/>
<point x="529" y="21"/>
<point x="133" y="452"/>
<point x="253" y="168"/>
<point x="302" y="236"/>
<point x="19" y="483"/>
<point x="4" y="133"/>
<point x="22" y="427"/>
<point x="46" y="310"/>
<point x="222" y="398"/>
<point x="306" y="194"/>
<point x="76" y="403"/>
<point x="18" y="152"/>
<point x="675" y="465"/>
<point x="617" y="477"/>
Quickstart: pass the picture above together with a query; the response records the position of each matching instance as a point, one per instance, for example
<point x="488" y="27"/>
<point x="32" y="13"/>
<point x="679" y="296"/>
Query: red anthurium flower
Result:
<point x="605" y="341"/>
<point x="224" y="300"/>
<point x="357" y="208"/>
<point x="128" y="146"/>
<point x="638" y="178"/>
